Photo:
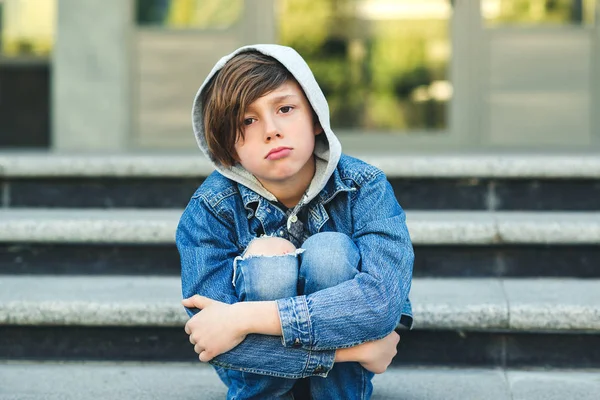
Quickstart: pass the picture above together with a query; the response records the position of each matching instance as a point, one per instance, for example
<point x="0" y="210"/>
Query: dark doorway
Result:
<point x="24" y="103"/>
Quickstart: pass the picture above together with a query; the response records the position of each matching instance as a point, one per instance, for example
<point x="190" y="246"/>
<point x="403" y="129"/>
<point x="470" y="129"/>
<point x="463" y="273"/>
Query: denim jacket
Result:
<point x="222" y="218"/>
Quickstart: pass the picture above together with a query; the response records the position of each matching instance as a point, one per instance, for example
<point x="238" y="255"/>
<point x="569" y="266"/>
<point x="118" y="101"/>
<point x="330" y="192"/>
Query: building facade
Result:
<point x="400" y="75"/>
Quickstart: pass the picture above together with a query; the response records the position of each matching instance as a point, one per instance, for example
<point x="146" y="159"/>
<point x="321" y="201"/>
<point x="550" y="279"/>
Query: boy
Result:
<point x="297" y="256"/>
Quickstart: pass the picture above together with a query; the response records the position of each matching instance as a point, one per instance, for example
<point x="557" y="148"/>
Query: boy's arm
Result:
<point x="324" y="320"/>
<point x="230" y="323"/>
<point x="206" y="245"/>
<point x="369" y="306"/>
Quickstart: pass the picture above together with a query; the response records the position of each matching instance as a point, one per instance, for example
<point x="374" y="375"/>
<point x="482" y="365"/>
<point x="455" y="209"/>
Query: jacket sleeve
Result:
<point x="206" y="244"/>
<point x="369" y="306"/>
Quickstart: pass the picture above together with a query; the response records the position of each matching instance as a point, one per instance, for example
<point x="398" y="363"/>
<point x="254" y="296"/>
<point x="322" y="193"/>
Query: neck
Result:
<point x="290" y="191"/>
<point x="289" y="196"/>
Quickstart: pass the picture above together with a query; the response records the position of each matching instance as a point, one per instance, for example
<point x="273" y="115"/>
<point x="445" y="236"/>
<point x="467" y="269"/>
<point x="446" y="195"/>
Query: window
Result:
<point x="383" y="65"/>
<point x="27" y="27"/>
<point x="189" y="14"/>
<point x="538" y="12"/>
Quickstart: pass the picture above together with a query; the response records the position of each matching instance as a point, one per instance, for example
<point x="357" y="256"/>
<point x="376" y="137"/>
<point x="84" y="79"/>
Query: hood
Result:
<point x="327" y="147"/>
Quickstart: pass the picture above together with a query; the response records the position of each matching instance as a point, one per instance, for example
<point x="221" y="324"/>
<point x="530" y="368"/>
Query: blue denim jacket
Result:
<point x="223" y="217"/>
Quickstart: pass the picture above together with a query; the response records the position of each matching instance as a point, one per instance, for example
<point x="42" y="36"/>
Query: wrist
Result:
<point x="260" y="317"/>
<point x="243" y="318"/>
<point x="349" y="354"/>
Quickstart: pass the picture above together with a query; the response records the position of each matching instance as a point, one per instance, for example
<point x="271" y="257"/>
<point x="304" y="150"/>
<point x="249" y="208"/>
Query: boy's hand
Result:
<point x="374" y="356"/>
<point x="378" y="355"/>
<point x="213" y="330"/>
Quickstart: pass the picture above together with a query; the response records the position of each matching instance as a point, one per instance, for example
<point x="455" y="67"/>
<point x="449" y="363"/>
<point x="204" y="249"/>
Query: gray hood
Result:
<point x="327" y="147"/>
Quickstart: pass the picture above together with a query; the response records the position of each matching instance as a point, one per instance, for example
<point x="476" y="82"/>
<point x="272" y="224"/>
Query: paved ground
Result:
<point x="132" y="381"/>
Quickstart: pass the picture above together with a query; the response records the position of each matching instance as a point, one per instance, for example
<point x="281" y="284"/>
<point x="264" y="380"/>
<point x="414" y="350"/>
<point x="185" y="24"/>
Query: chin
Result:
<point x="285" y="172"/>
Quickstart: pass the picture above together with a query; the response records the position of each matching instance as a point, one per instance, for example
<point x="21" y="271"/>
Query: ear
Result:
<point x="318" y="129"/>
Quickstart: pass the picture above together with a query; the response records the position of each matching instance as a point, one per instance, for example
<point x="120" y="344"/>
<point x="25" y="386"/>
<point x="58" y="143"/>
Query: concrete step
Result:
<point x="24" y="164"/>
<point x="559" y="305"/>
<point x="447" y="244"/>
<point x="426" y="227"/>
<point x="489" y="322"/>
<point x="424" y="182"/>
<point x="131" y="381"/>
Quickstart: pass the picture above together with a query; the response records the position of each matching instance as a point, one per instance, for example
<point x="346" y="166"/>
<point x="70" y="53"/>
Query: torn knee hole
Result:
<point x="269" y="246"/>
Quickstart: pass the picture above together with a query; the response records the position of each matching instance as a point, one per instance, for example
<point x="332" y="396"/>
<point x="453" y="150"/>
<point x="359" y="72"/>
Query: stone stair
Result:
<point x="506" y="288"/>
<point x="142" y="381"/>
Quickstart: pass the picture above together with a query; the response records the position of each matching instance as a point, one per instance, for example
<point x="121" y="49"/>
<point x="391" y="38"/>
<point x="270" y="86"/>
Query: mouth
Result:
<point x="278" y="152"/>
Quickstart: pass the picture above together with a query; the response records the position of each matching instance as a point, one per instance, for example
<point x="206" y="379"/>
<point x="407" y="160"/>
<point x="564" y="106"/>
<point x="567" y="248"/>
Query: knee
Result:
<point x="330" y="245"/>
<point x="268" y="270"/>
<point x="269" y="246"/>
<point x="329" y="259"/>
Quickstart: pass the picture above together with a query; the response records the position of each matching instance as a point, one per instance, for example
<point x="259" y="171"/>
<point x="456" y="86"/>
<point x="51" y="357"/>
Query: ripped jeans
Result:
<point x="324" y="260"/>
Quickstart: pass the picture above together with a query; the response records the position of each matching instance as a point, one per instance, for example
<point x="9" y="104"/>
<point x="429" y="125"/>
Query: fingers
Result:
<point x="199" y="302"/>
<point x="196" y="301"/>
<point x="199" y="349"/>
<point x="189" y="302"/>
<point x="204" y="357"/>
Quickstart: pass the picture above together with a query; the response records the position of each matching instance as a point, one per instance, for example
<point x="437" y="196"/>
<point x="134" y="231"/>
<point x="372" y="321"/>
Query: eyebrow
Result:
<point x="282" y="98"/>
<point x="277" y="99"/>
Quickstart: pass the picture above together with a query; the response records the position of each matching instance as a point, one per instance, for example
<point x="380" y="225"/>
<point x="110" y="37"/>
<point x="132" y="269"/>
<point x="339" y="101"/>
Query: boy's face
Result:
<point x="279" y="138"/>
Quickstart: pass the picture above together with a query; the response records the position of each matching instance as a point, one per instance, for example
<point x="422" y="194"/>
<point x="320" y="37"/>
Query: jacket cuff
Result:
<point x="295" y="322"/>
<point x="319" y="363"/>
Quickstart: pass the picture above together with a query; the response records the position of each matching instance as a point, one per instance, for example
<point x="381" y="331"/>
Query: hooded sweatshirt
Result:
<point x="327" y="147"/>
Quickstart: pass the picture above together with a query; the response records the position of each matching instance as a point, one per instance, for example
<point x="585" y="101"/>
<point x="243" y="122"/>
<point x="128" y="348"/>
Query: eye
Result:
<point x="248" y="121"/>
<point x="286" y="109"/>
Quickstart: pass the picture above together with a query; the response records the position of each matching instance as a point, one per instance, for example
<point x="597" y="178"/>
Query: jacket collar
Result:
<point x="248" y="195"/>
<point x="334" y="185"/>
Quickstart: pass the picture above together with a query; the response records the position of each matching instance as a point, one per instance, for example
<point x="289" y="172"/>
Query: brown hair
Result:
<point x="243" y="79"/>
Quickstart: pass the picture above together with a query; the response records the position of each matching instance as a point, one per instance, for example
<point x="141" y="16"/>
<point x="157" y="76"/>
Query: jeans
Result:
<point x="325" y="260"/>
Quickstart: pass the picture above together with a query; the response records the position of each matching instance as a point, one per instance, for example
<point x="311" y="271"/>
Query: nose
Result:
<point x="271" y="130"/>
<point x="269" y="137"/>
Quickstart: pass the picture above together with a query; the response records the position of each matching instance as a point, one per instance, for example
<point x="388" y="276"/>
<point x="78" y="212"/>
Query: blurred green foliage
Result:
<point x="199" y="14"/>
<point x="369" y="69"/>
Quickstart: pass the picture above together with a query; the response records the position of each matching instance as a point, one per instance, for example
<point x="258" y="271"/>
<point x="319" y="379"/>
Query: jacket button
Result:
<point x="297" y="343"/>
<point x="319" y="370"/>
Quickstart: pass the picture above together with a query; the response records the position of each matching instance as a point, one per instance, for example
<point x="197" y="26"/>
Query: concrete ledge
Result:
<point x="548" y="304"/>
<point x="450" y="304"/>
<point x="91" y="301"/>
<point x="95" y="165"/>
<point x="89" y="226"/>
<point x="459" y="304"/>
<point x="193" y="164"/>
<point x="154" y="380"/>
<point x="426" y="227"/>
